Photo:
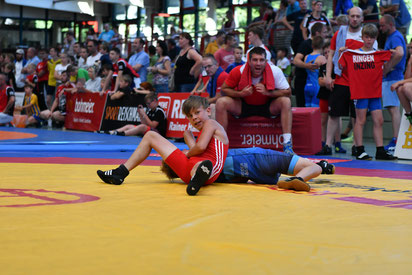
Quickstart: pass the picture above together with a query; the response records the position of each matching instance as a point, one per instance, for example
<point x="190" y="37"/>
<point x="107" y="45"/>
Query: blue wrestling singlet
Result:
<point x="260" y="165"/>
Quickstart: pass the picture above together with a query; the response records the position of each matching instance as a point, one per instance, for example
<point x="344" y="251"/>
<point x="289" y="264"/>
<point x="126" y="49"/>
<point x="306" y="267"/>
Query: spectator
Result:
<point x="33" y="80"/>
<point x="370" y="10"/>
<point x="124" y="88"/>
<point x="392" y="73"/>
<point x="76" y="53"/>
<point x="279" y="21"/>
<point x="120" y="69"/>
<point x="342" y="7"/>
<point x="153" y="57"/>
<point x="62" y="66"/>
<point x="262" y="9"/>
<point x="293" y="7"/>
<point x="225" y="55"/>
<point x="104" y="58"/>
<point x="69" y="42"/>
<point x="32" y="109"/>
<point x="161" y="69"/>
<point x="340" y="103"/>
<point x="8" y="69"/>
<point x="7" y="99"/>
<point x="188" y="65"/>
<point x="201" y="84"/>
<point x="107" y="34"/>
<point x="215" y="45"/>
<point x="283" y="61"/>
<point x="315" y="16"/>
<point x="364" y="68"/>
<point x="51" y="82"/>
<point x="31" y="58"/>
<point x="250" y="90"/>
<point x="399" y="11"/>
<point x="297" y="17"/>
<point x="217" y="77"/>
<point x="238" y="53"/>
<point x="82" y="63"/>
<point x="154" y="119"/>
<point x="404" y="91"/>
<point x="140" y="61"/>
<point x="42" y="73"/>
<point x="77" y="74"/>
<point x="172" y="49"/>
<point x="116" y="40"/>
<point x="229" y="25"/>
<point x="93" y="84"/>
<point x="94" y="54"/>
<point x="91" y="34"/>
<point x="255" y="37"/>
<point x="305" y="48"/>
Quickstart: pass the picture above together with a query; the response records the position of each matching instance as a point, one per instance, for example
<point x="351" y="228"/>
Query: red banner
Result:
<point x="84" y="111"/>
<point x="177" y="123"/>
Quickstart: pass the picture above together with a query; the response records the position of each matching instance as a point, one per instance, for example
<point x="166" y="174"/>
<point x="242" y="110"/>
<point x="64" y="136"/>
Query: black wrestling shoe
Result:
<point x="294" y="183"/>
<point x="384" y="156"/>
<point x="202" y="174"/>
<point x="326" y="151"/>
<point x="327" y="168"/>
<point x="363" y="156"/>
<point x="114" y="176"/>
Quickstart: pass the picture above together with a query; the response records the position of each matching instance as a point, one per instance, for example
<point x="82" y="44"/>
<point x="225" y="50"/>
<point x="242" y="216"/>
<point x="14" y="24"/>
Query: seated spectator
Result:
<point x="161" y="69"/>
<point x="217" y="77"/>
<point x="216" y="44"/>
<point x="312" y="80"/>
<point x="238" y="53"/>
<point x="94" y="54"/>
<point x="93" y="84"/>
<point x="225" y="55"/>
<point x="144" y="89"/>
<point x="104" y="58"/>
<point x="121" y="68"/>
<point x="250" y="91"/>
<point x="283" y="61"/>
<point x="154" y="119"/>
<point x="124" y="87"/>
<point x="58" y="110"/>
<point x="201" y="84"/>
<point x="7" y="99"/>
<point x="404" y="91"/>
<point x="32" y="109"/>
<point x="77" y="74"/>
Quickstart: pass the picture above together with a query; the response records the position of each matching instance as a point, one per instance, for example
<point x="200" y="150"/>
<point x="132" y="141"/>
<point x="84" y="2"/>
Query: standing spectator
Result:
<point x="42" y="73"/>
<point x="283" y="61"/>
<point x="255" y="37"/>
<point x="393" y="73"/>
<point x="399" y="10"/>
<point x="8" y="69"/>
<point x="305" y="48"/>
<point x="172" y="49"/>
<point x="82" y="63"/>
<point x="257" y="88"/>
<point x="293" y="7"/>
<point x="370" y="10"/>
<point x="31" y="58"/>
<point x="7" y="99"/>
<point x="225" y="55"/>
<point x="76" y="53"/>
<point x="262" y="9"/>
<point x="120" y="69"/>
<point x="152" y="61"/>
<point x="94" y="54"/>
<point x="315" y="17"/>
<point x="69" y="43"/>
<point x="161" y="69"/>
<point x="91" y="34"/>
<point x="229" y="25"/>
<point x="217" y="77"/>
<point x="62" y="66"/>
<point x="188" y="65"/>
<point x="342" y="7"/>
<point x="140" y="61"/>
<point x="216" y="44"/>
<point x="51" y="65"/>
<point x="238" y="52"/>
<point x="297" y="17"/>
<point x="116" y="40"/>
<point x="312" y="81"/>
<point x="104" y="58"/>
<point x="107" y="34"/>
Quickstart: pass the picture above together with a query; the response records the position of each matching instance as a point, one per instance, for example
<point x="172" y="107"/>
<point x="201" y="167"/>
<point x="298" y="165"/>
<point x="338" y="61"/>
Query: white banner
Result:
<point x="403" y="148"/>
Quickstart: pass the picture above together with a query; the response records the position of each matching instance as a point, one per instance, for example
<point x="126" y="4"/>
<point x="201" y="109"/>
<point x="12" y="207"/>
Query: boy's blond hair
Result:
<point x="370" y="30"/>
<point x="194" y="102"/>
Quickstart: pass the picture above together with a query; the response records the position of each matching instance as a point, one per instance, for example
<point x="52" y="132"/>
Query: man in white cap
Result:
<point x="19" y="64"/>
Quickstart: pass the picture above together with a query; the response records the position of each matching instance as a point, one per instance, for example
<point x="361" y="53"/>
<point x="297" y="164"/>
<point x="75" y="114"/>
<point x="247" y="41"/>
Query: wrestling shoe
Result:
<point x="354" y="151"/>
<point x="200" y="177"/>
<point x="287" y="148"/>
<point x="339" y="149"/>
<point x="327" y="168"/>
<point x="326" y="150"/>
<point x="114" y="176"/>
<point x="348" y="139"/>
<point x="294" y="183"/>
<point x="383" y="155"/>
<point x="391" y="145"/>
<point x="363" y="156"/>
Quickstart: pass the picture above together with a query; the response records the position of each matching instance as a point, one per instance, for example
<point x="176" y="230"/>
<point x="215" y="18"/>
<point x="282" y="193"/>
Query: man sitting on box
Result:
<point x="257" y="88"/>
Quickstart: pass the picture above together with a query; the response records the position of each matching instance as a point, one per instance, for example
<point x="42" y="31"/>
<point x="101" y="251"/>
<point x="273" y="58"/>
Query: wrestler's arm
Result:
<point x="200" y="146"/>
<point x="189" y="138"/>
<point x="229" y="91"/>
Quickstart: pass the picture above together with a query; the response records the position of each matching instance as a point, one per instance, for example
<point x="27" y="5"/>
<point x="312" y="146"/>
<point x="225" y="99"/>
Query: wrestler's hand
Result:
<point x="248" y="90"/>
<point x="261" y="89"/>
<point x="395" y="86"/>
<point x="185" y="151"/>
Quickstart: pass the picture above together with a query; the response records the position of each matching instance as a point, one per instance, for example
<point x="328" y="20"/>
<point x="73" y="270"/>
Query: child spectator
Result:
<point x="153" y="119"/>
<point x="32" y="109"/>
<point x="42" y="73"/>
<point x="238" y="52"/>
<point x="364" y="68"/>
<point x="61" y="67"/>
<point x="124" y="88"/>
<point x="8" y="69"/>
<point x="283" y="61"/>
<point x="33" y="80"/>
<point x="51" y="83"/>
<point x="312" y="81"/>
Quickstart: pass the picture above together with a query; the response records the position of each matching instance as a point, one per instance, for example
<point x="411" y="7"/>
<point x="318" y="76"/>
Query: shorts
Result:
<point x="323" y="105"/>
<point x="340" y="103"/>
<point x="38" y="119"/>
<point x="389" y="98"/>
<point x="50" y="90"/>
<point x="255" y="110"/>
<point x="371" y="104"/>
<point x="183" y="165"/>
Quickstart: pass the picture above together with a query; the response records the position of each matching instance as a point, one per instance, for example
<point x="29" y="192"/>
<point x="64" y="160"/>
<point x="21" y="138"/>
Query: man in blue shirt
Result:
<point x="140" y="61"/>
<point x="107" y="34"/>
<point x="398" y="9"/>
<point x="393" y="72"/>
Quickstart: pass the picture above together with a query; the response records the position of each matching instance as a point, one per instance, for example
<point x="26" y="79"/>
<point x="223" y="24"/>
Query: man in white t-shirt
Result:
<point x="94" y="54"/>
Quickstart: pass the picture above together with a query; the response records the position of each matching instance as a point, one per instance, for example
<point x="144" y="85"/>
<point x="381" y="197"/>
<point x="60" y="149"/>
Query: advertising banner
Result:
<point x="84" y="111"/>
<point x="403" y="148"/>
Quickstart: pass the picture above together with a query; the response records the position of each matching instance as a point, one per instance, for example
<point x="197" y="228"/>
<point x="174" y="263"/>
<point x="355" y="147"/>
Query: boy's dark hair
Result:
<point x="317" y="42"/>
<point x="152" y="50"/>
<point x="285" y="50"/>
<point x="171" y="41"/>
<point x="107" y="66"/>
<point x="151" y="97"/>
<point x="168" y="171"/>
<point x="257" y="50"/>
<point x="27" y="85"/>
<point x="258" y="30"/>
<point x="317" y="27"/>
<point x="370" y="30"/>
<point x="116" y="50"/>
<point x="194" y="102"/>
<point x="127" y="78"/>
<point x="105" y="47"/>
<point x="229" y="37"/>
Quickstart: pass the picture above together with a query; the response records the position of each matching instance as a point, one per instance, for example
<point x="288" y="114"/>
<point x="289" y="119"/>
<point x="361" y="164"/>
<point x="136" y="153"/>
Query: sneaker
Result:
<point x="384" y="156"/>
<point x="363" y="156"/>
<point x="391" y="146"/>
<point x="354" y="152"/>
<point x="349" y="139"/>
<point x="409" y="117"/>
<point x="200" y="177"/>
<point x="339" y="149"/>
<point x="326" y="150"/>
<point x="294" y="183"/>
<point x="327" y="168"/>
<point x="287" y="148"/>
<point x="112" y="176"/>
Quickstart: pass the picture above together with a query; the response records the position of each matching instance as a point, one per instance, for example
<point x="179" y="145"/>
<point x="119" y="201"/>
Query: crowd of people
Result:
<point x="257" y="83"/>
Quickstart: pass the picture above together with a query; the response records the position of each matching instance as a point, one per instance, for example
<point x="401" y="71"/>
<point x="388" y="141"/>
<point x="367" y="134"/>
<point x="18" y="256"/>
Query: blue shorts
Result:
<point x="37" y="118"/>
<point x="262" y="166"/>
<point x="389" y="98"/>
<point x="371" y="104"/>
